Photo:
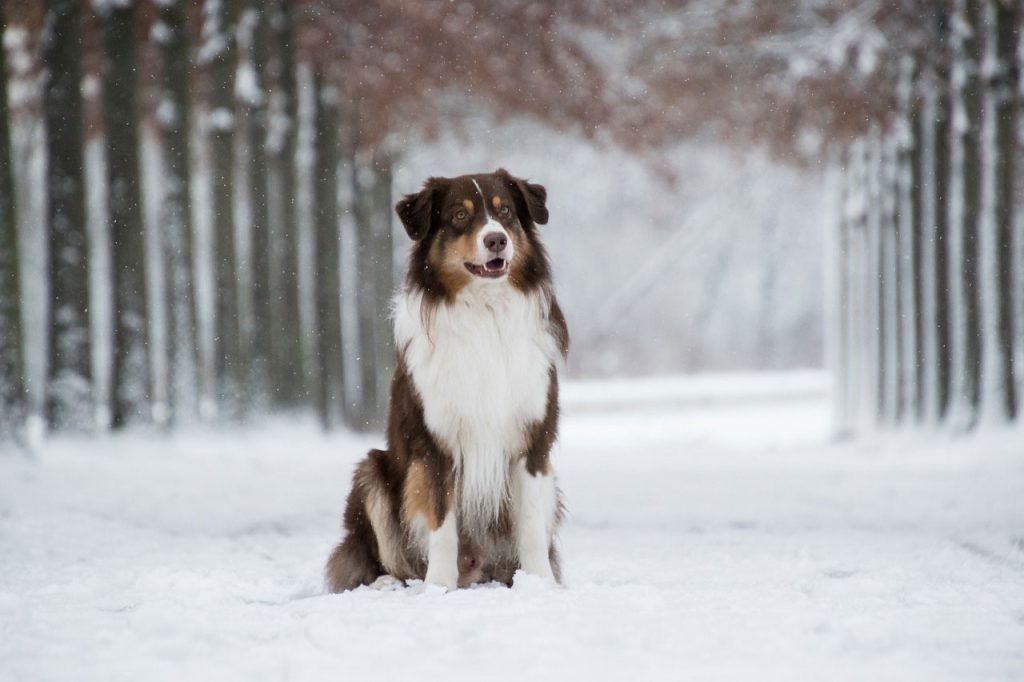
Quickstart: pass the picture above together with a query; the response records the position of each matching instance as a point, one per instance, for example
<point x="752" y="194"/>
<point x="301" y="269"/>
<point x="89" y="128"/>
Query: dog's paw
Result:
<point x="387" y="583"/>
<point x="525" y="581"/>
<point x="417" y="587"/>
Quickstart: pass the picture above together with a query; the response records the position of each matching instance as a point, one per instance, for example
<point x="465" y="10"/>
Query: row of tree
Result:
<point x="930" y="281"/>
<point x="275" y="121"/>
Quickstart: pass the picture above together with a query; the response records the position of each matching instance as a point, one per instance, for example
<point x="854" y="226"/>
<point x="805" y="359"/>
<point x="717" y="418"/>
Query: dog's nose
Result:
<point x="495" y="241"/>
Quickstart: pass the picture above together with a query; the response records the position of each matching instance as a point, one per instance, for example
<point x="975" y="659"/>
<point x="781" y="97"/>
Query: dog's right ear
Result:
<point x="418" y="211"/>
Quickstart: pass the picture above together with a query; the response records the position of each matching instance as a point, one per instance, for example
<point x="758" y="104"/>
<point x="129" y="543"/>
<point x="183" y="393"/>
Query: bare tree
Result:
<point x="285" y="334"/>
<point x="965" y="208"/>
<point x="218" y="53"/>
<point x="1001" y="22"/>
<point x="174" y="118"/>
<point x="69" y="374"/>
<point x="124" y="201"/>
<point x="253" y="95"/>
<point x="12" y="376"/>
<point x="909" y="246"/>
<point x="329" y="376"/>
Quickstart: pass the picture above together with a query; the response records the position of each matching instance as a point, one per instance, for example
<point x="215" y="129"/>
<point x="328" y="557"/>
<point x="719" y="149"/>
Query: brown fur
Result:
<point x="413" y="483"/>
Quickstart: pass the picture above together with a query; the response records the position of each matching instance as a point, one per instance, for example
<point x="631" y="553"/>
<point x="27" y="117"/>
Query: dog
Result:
<point x="465" y="492"/>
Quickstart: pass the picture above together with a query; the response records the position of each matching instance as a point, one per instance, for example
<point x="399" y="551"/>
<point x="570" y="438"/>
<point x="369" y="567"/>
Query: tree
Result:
<point x="330" y="380"/>
<point x="253" y="94"/>
<point x="909" y="246"/>
<point x="218" y="54"/>
<point x="174" y="119"/>
<point x="285" y="327"/>
<point x="934" y="134"/>
<point x="124" y="201"/>
<point x="998" y="139"/>
<point x="965" y="208"/>
<point x="12" y="377"/>
<point x="69" y="374"/>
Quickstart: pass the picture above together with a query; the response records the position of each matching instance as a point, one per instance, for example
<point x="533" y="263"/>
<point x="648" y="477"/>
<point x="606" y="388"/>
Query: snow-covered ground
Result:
<point x="723" y="538"/>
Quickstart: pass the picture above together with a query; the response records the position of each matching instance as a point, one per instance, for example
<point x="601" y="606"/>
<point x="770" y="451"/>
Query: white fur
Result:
<point x="481" y="367"/>
<point x="534" y="506"/>
<point x="443" y="554"/>
<point x="492" y="225"/>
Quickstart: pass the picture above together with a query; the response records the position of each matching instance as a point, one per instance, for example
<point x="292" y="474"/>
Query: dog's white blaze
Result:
<point x="534" y="504"/>
<point x="443" y="554"/>
<point x="490" y="226"/>
<point x="481" y="367"/>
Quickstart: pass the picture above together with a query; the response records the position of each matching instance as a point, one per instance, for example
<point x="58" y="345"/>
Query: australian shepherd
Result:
<point x="465" y="492"/>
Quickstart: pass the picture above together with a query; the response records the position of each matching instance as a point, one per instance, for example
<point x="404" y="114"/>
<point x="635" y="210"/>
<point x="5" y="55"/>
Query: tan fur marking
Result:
<point x="389" y="543"/>
<point x="468" y="203"/>
<point x="496" y="201"/>
<point x="451" y="264"/>
<point x="523" y="252"/>
<point x="417" y="497"/>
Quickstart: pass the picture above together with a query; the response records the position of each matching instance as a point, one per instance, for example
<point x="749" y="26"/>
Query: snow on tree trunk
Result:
<point x="12" y="374"/>
<point x="252" y="91"/>
<point x="285" y="325"/>
<point x="964" y="206"/>
<point x="934" y="132"/>
<point x="173" y="117"/>
<point x="330" y="377"/>
<point x="909" y="209"/>
<point x="69" y="391"/>
<point x="891" y="309"/>
<point x="218" y="53"/>
<point x="131" y="379"/>
<point x="998" y="138"/>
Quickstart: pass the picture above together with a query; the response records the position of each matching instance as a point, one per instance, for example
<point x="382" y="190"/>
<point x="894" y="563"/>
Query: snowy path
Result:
<point x="707" y="540"/>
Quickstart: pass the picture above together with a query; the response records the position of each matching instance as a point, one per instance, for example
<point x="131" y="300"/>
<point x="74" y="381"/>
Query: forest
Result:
<point x="261" y="139"/>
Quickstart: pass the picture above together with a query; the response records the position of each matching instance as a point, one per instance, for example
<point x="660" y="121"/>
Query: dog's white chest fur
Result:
<point x="481" y="366"/>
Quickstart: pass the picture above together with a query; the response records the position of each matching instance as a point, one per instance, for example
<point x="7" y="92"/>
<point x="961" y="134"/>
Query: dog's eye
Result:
<point x="504" y="211"/>
<point x="461" y="214"/>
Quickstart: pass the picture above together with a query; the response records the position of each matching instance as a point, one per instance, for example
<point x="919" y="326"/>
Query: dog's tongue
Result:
<point x="496" y="264"/>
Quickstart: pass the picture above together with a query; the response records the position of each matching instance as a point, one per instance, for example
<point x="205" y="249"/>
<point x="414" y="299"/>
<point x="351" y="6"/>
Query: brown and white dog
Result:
<point x="465" y="492"/>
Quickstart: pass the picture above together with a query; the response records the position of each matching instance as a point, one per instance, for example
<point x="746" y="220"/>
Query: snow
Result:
<point x="721" y="537"/>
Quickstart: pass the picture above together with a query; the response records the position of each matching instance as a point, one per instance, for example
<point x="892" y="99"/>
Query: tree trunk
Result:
<point x="124" y="201"/>
<point x="330" y="377"/>
<point x="892" y="339"/>
<point x="965" y="206"/>
<point x="835" y="278"/>
<point x="875" y="375"/>
<point x="219" y="54"/>
<point x="367" y="299"/>
<point x="855" y="262"/>
<point x="12" y="376"/>
<point x="253" y="93"/>
<point x="934" y="136"/>
<point x="69" y="374"/>
<point x="997" y="391"/>
<point x="383" y="236"/>
<point x="174" y="116"/>
<point x="910" y="281"/>
<point x="286" y="363"/>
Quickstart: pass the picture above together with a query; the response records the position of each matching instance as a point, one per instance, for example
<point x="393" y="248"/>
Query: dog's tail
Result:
<point x="354" y="562"/>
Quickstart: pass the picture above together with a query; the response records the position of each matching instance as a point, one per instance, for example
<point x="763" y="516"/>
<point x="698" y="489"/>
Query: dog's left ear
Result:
<point x="416" y="211"/>
<point x="530" y="196"/>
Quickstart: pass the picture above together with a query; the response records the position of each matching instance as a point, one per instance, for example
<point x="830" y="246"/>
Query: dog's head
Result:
<point x="475" y="230"/>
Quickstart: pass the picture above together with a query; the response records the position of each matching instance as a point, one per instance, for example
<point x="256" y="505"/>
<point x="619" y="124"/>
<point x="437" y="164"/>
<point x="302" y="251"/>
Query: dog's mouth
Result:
<point x="492" y="269"/>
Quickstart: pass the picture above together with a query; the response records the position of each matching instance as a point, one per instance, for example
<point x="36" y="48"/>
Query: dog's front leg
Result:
<point x="443" y="553"/>
<point x="535" y="503"/>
